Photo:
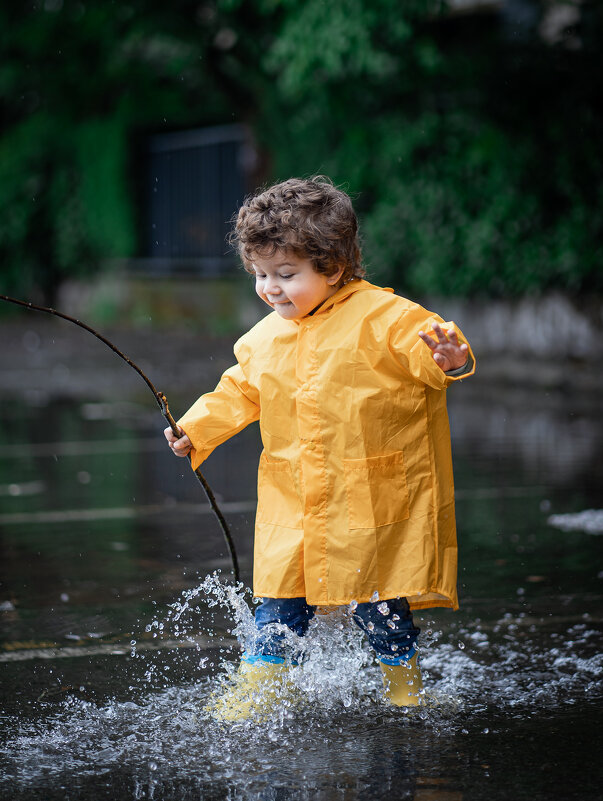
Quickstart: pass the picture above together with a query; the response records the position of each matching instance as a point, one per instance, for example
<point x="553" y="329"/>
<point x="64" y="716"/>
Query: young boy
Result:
<point x="355" y="486"/>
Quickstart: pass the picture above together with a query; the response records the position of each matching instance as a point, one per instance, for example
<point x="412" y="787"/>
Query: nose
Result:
<point x="271" y="286"/>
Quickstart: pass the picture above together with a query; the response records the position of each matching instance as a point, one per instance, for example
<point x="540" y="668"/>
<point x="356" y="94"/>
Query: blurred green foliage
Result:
<point x="78" y="82"/>
<point x="472" y="145"/>
<point x="470" y="142"/>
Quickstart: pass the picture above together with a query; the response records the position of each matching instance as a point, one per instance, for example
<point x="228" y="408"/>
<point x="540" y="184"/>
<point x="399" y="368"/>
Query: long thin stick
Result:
<point x="163" y="406"/>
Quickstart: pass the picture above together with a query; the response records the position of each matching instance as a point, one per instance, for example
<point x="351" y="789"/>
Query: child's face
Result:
<point x="290" y="284"/>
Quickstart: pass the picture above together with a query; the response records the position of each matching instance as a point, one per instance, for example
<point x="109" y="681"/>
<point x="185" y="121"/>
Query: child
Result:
<point x="355" y="487"/>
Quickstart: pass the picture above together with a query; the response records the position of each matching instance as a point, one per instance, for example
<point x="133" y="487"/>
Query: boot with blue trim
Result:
<point x="402" y="680"/>
<point x="260" y="683"/>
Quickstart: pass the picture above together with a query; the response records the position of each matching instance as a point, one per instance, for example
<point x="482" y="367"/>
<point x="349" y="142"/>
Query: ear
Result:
<point x="333" y="279"/>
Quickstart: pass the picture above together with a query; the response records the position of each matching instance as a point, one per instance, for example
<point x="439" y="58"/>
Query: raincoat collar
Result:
<point x="346" y="291"/>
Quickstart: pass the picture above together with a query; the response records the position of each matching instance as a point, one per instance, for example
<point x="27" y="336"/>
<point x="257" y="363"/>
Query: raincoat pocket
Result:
<point x="278" y="501"/>
<point x="377" y="490"/>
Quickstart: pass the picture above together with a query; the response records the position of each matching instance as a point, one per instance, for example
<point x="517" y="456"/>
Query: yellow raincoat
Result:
<point x="355" y="486"/>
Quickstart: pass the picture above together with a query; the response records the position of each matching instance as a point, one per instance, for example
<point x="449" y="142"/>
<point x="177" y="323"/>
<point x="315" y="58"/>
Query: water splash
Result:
<point x="165" y="736"/>
<point x="590" y="521"/>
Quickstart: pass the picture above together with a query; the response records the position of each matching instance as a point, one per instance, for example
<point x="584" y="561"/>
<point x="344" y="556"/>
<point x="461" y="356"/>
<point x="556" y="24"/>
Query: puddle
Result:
<point x="110" y="645"/>
<point x="480" y="677"/>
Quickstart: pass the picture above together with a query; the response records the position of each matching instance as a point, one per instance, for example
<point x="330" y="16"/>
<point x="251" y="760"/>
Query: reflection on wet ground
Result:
<point x="106" y="665"/>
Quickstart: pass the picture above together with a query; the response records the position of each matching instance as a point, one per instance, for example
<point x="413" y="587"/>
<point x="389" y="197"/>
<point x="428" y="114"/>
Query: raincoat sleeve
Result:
<point x="220" y="414"/>
<point x="413" y="355"/>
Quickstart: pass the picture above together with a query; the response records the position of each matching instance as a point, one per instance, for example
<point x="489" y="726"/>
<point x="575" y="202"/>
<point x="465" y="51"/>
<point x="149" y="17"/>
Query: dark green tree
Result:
<point x="470" y="143"/>
<point x="78" y="81"/>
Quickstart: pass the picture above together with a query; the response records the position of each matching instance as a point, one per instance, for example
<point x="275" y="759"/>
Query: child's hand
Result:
<point x="179" y="446"/>
<point x="447" y="352"/>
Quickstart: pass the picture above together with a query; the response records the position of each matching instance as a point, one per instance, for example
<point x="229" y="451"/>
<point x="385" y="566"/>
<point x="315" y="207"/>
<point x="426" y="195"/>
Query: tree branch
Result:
<point x="163" y="406"/>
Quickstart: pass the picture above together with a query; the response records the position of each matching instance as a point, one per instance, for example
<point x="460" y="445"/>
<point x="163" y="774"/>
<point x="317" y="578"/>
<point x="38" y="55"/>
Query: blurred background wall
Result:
<point x="468" y="133"/>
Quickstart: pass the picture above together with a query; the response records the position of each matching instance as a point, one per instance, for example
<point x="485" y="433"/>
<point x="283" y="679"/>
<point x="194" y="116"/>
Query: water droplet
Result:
<point x="397" y="617"/>
<point x="353" y="606"/>
<point x="383" y="608"/>
<point x="370" y="626"/>
<point x="461" y="645"/>
<point x="374" y="597"/>
<point x="390" y="623"/>
<point x="153" y="766"/>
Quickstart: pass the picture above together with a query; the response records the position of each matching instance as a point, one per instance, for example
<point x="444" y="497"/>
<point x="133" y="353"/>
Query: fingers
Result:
<point x="428" y="340"/>
<point x="454" y="340"/>
<point x="440" y="333"/>
<point x="180" y="446"/>
<point x="169" y="434"/>
<point x="453" y="337"/>
<point x="447" y="352"/>
<point x="444" y="337"/>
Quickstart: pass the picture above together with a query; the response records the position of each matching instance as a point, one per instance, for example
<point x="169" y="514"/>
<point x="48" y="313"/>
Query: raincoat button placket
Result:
<point x="312" y="457"/>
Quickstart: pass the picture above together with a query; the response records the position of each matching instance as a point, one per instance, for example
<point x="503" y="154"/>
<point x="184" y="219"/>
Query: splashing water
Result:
<point x="166" y="736"/>
<point x="590" y="521"/>
<point x="332" y="656"/>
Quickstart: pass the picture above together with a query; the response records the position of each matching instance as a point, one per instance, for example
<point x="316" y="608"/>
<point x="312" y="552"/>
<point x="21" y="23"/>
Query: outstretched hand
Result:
<point x="447" y="353"/>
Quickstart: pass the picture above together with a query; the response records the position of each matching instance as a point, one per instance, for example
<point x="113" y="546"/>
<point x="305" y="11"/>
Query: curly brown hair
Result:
<point x="309" y="217"/>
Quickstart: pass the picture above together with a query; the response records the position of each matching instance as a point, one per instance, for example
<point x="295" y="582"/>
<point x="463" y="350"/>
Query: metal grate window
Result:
<point x="196" y="182"/>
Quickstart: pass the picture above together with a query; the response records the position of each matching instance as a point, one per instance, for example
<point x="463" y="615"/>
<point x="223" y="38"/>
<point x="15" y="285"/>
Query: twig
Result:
<point x="163" y="406"/>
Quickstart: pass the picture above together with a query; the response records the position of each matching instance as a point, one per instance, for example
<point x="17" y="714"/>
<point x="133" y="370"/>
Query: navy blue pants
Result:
<point x="388" y="626"/>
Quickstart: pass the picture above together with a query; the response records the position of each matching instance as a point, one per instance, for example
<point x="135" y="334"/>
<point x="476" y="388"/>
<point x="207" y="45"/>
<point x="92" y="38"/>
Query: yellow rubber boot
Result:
<point x="403" y="683"/>
<point x="256" y="687"/>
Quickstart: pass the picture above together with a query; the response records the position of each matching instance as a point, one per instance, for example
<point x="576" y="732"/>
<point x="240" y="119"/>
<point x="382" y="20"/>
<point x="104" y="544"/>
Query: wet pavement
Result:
<point x="105" y="666"/>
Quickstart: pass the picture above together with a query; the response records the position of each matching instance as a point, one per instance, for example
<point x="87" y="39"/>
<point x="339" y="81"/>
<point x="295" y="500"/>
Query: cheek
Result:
<point x="259" y="291"/>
